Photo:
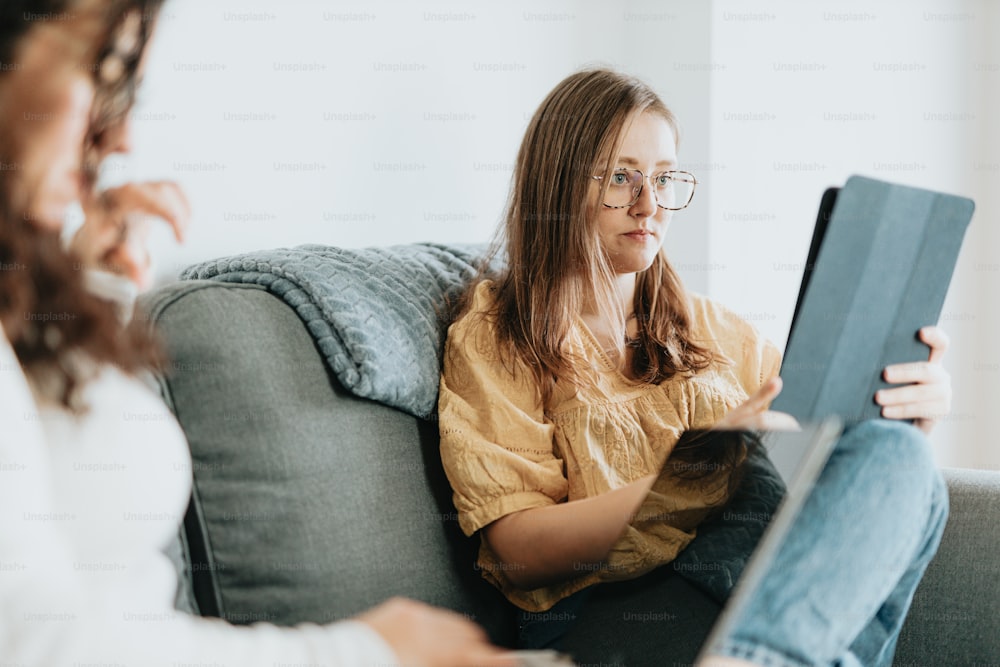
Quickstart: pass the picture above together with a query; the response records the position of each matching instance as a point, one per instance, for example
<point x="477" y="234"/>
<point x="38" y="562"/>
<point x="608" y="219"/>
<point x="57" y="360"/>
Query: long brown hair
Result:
<point x="555" y="260"/>
<point x="56" y="327"/>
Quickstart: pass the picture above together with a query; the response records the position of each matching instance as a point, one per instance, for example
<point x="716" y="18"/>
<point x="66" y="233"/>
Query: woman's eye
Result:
<point x="619" y="179"/>
<point x="662" y="181"/>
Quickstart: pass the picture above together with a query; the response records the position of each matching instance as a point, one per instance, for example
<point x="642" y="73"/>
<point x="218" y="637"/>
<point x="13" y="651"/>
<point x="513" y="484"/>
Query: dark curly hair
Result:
<point x="48" y="316"/>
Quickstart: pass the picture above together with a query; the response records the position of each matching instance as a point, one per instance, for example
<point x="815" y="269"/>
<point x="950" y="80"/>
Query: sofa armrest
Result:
<point x="955" y="617"/>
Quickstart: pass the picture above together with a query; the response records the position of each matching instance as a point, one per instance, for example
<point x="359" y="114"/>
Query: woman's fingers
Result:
<point x="772" y="420"/>
<point x="769" y="420"/>
<point x="928" y="402"/>
<point x="162" y="199"/>
<point x="758" y="402"/>
<point x="132" y="261"/>
<point x="918" y="371"/>
<point x="914" y="393"/>
<point x="431" y="637"/>
<point x="938" y="341"/>
<point x="754" y="414"/>
<point x="114" y="236"/>
<point x="926" y="396"/>
<point x="930" y="411"/>
<point x="767" y="393"/>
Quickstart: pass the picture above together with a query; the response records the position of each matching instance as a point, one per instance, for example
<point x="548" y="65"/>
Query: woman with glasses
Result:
<point x="571" y="376"/>
<point x="94" y="471"/>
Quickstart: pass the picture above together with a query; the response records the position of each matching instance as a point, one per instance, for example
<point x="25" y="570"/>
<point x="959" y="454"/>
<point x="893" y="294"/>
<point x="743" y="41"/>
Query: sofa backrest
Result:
<point x="309" y="503"/>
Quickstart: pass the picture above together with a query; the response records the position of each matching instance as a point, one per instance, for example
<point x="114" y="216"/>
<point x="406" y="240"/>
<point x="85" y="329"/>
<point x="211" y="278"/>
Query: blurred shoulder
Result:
<point x="477" y="319"/>
<point x="756" y="358"/>
<point x="718" y="321"/>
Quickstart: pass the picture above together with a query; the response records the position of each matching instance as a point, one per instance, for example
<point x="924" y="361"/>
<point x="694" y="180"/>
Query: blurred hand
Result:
<point x="753" y="413"/>
<point x="927" y="396"/>
<point x="424" y="636"/>
<point x="114" y="234"/>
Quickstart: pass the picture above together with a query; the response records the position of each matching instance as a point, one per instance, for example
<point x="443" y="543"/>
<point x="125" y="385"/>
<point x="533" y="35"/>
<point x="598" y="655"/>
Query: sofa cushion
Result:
<point x="955" y="617"/>
<point x="309" y="504"/>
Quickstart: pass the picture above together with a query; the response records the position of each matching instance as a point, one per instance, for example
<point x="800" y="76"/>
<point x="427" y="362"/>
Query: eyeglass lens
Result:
<point x="673" y="190"/>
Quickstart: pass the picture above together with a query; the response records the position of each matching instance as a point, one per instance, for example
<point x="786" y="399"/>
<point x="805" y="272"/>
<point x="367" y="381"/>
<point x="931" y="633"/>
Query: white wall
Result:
<point x="386" y="122"/>
<point x="978" y="286"/>
<point x="805" y="94"/>
<point x="375" y="123"/>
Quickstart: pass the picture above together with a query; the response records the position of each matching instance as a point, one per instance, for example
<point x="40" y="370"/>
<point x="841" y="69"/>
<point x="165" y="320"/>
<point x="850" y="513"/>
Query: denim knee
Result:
<point x="898" y="454"/>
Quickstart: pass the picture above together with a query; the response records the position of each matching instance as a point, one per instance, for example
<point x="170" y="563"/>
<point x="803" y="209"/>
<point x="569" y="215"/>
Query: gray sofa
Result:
<point x="311" y="504"/>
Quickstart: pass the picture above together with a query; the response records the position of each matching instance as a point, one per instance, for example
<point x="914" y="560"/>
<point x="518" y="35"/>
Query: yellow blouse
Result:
<point x="503" y="453"/>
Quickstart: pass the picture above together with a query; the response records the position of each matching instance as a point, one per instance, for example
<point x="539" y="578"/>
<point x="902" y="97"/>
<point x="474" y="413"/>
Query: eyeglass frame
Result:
<point x="645" y="178"/>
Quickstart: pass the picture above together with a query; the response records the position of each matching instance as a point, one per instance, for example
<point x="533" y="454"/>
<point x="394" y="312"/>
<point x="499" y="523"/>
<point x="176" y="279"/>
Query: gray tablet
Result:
<point x="878" y="270"/>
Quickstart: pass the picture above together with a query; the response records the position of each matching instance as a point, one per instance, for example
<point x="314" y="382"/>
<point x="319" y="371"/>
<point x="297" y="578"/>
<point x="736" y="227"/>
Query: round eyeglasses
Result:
<point x="673" y="190"/>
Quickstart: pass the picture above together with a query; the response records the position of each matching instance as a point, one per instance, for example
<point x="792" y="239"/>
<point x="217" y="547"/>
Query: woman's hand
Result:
<point x="423" y="636"/>
<point x="927" y="396"/>
<point x="753" y="413"/>
<point x="110" y="239"/>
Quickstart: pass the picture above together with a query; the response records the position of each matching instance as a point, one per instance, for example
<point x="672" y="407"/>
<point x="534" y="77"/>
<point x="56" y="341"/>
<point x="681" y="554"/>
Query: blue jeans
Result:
<point x="840" y="587"/>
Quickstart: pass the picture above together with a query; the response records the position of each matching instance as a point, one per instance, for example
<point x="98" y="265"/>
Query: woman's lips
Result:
<point x="639" y="235"/>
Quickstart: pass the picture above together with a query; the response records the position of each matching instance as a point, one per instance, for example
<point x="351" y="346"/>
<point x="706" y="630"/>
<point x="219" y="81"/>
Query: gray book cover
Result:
<point x="878" y="271"/>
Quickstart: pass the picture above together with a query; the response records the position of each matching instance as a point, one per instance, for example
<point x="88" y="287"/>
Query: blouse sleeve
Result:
<point x="496" y="445"/>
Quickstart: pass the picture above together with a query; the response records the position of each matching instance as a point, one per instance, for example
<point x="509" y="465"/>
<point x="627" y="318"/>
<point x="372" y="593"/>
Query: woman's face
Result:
<point x="45" y="106"/>
<point x="632" y="236"/>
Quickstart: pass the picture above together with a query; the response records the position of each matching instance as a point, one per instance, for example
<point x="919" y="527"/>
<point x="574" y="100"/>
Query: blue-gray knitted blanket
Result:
<point x="376" y="314"/>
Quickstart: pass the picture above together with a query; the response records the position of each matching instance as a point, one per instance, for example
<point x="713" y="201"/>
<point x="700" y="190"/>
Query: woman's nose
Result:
<point x="645" y="205"/>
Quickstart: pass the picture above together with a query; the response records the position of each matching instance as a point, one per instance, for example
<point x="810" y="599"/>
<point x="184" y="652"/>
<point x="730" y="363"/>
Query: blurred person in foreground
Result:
<point x="77" y="572"/>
